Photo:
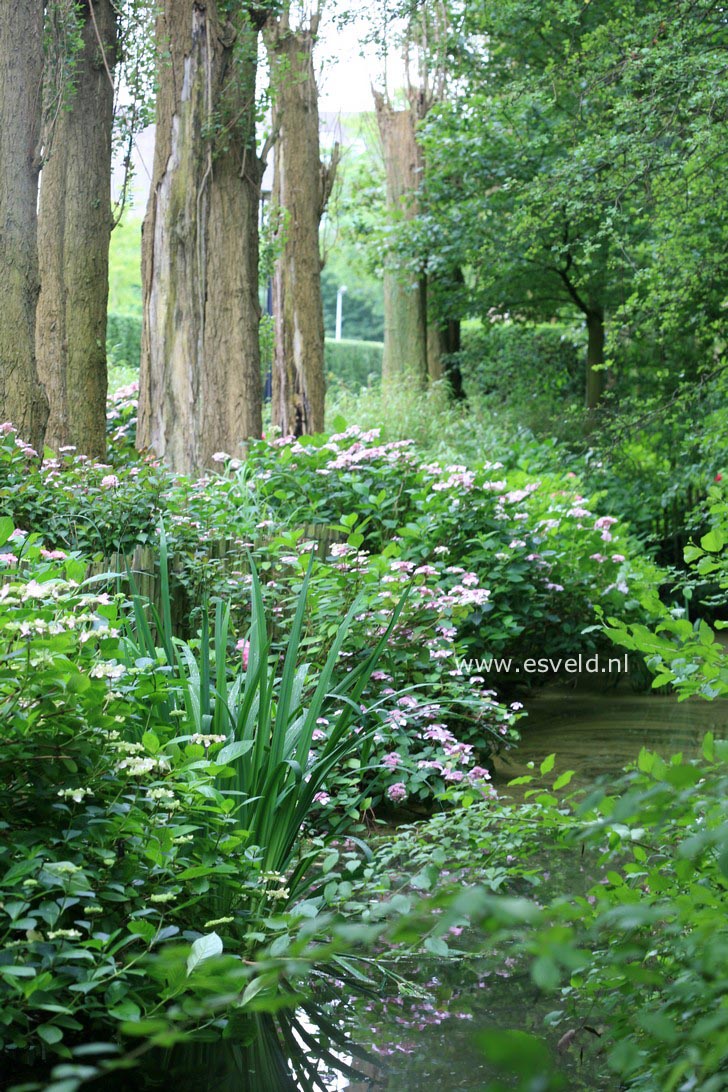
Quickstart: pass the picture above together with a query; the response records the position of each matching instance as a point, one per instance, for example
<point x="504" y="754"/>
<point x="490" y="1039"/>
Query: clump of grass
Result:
<point x="441" y="428"/>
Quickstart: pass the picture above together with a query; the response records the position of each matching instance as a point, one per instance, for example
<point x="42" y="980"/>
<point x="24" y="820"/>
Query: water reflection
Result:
<point x="301" y="1051"/>
<point x="599" y="733"/>
<point x="594" y="734"/>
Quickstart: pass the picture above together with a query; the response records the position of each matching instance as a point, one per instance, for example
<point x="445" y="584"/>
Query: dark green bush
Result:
<point x="522" y="363"/>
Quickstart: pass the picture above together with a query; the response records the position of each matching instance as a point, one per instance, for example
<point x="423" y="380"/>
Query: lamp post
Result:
<point x="340" y="310"/>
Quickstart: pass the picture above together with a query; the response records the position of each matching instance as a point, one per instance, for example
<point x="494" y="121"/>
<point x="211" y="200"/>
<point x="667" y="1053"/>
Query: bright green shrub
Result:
<point x="681" y="652"/>
<point x="123" y="340"/>
<point x="353" y="364"/>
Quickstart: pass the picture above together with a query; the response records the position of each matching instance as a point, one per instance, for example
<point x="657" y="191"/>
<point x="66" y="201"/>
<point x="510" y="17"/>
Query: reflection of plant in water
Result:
<point x="290" y="1051"/>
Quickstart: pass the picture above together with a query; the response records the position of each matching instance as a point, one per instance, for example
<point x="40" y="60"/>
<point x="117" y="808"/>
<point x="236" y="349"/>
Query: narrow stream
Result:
<point x="413" y="1045"/>
<point x="593" y="733"/>
<point x="599" y="732"/>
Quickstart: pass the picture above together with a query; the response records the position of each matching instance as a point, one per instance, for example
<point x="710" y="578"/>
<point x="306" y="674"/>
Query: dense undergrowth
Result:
<point x="189" y="784"/>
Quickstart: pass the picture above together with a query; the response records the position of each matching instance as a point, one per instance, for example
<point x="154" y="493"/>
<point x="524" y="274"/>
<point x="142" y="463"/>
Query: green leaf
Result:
<point x="11" y="970"/>
<point x="203" y="948"/>
<point x="6" y="529"/>
<point x="516" y="1052"/>
<point x="545" y="973"/>
<point x="645" y="760"/>
<point x="145" y="1028"/>
<point x="437" y="946"/>
<point x="330" y="861"/>
<point x="253" y="989"/>
<point x="50" y="1033"/>
<point x="144" y="929"/>
<point x="713" y="542"/>
<point x="548" y="764"/>
<point x="563" y="780"/>
<point x="231" y="751"/>
<point x="723" y="863"/>
<point x="151" y="742"/>
<point x="125" y="1010"/>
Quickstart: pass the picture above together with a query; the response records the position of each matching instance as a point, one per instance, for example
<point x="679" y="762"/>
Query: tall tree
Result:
<point x="22" y="399"/>
<point x="581" y="160"/>
<point x="415" y="337"/>
<point x="405" y="291"/>
<point x="200" y="386"/>
<point x="73" y="232"/>
<point x="302" y="186"/>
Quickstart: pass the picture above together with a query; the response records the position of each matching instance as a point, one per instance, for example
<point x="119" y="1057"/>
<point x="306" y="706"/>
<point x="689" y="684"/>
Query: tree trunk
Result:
<point x="405" y="303"/>
<point x="302" y="185"/>
<point x="436" y="349"/>
<point x="22" y="399"/>
<point x="200" y="386"/>
<point x="595" y="380"/>
<point x="443" y="342"/>
<point x="73" y="244"/>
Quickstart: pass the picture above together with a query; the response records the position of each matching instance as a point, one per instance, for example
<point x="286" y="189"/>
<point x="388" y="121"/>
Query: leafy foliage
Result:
<point x="578" y="163"/>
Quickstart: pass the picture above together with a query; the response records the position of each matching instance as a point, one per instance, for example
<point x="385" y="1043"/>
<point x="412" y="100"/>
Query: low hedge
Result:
<point x="521" y="362"/>
<point x="353" y="364"/>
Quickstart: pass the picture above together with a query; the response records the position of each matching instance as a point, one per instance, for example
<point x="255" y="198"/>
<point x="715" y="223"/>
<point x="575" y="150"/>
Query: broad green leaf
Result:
<point x="231" y="751"/>
<point x="437" y="946"/>
<point x="563" y="779"/>
<point x="50" y="1033"/>
<point x="548" y="764"/>
<point x="151" y="742"/>
<point x="203" y="948"/>
<point x="6" y="529"/>
<point x="713" y="542"/>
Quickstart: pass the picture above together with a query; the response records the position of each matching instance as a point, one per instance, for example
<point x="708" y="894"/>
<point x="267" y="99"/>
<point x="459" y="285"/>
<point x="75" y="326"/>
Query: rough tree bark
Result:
<point x="22" y="399"/>
<point x="73" y="243"/>
<point x="405" y="298"/>
<point x="200" y="388"/>
<point x="301" y="188"/>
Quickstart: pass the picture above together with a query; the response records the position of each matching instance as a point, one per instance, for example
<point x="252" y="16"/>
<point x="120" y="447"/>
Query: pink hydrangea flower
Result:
<point x="397" y="792"/>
